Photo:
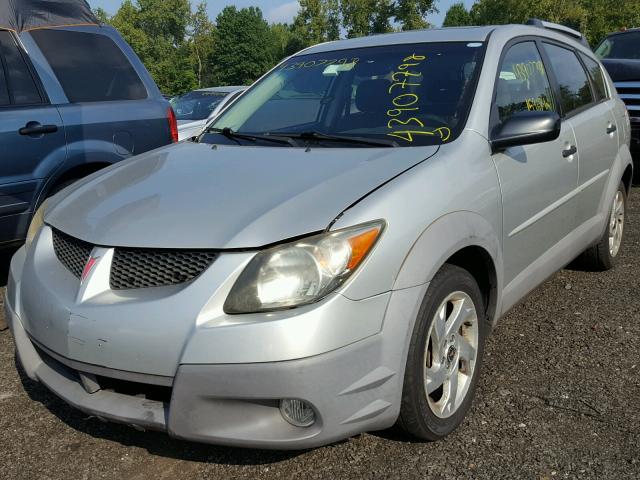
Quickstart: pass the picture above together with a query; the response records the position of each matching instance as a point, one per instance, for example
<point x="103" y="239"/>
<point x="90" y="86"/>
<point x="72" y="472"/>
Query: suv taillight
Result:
<point x="173" y="124"/>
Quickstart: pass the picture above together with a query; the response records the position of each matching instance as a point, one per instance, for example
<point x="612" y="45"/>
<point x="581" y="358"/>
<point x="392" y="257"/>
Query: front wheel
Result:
<point x="444" y="357"/>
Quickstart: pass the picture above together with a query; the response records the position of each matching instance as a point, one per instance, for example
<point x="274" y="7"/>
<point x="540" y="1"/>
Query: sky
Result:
<point x="274" y="10"/>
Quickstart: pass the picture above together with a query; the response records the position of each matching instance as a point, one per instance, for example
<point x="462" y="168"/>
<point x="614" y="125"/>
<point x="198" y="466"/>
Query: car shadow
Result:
<point x="155" y="443"/>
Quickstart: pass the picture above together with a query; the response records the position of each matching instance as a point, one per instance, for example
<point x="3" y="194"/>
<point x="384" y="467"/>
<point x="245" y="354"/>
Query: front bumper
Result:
<point x="237" y="405"/>
<point x="353" y="388"/>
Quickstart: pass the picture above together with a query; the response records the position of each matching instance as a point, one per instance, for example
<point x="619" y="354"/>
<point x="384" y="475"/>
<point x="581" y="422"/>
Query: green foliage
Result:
<point x="317" y="21"/>
<point x="183" y="49"/>
<point x="101" y="15"/>
<point x="366" y="17"/>
<point x="411" y="14"/>
<point x="157" y="30"/>
<point x="594" y="18"/>
<point x="457" y="16"/>
<point x="245" y="46"/>
<point x="602" y="17"/>
<point x="201" y="32"/>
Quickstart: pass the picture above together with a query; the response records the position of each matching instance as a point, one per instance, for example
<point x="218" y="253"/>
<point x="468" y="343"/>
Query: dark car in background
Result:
<point x="72" y="101"/>
<point x="197" y="108"/>
<point x="620" y="54"/>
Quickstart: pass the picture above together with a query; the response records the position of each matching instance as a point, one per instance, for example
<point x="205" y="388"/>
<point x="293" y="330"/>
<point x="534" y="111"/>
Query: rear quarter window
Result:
<point x="17" y="76"/>
<point x="4" y="91"/>
<point x="89" y="66"/>
<point x="597" y="77"/>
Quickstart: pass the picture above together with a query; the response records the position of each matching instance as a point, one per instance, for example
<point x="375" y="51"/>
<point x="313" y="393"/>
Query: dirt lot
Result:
<point x="558" y="398"/>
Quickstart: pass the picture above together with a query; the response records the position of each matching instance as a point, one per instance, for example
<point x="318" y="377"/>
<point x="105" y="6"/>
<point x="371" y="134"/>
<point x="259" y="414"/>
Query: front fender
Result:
<point x="443" y="238"/>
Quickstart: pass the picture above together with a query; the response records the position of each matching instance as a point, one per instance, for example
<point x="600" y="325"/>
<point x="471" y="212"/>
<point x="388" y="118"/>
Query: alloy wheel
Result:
<point x="616" y="224"/>
<point x="450" y="354"/>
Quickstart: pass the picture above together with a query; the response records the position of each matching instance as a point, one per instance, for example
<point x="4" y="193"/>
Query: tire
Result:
<point x="61" y="186"/>
<point x="602" y="256"/>
<point x="432" y="416"/>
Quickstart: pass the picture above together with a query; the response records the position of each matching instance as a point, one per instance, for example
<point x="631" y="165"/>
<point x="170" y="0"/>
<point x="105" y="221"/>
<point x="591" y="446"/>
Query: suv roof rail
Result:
<point x="576" y="35"/>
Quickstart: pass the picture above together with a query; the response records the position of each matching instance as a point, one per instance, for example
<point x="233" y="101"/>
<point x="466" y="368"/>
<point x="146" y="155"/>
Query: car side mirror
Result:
<point x="526" y="128"/>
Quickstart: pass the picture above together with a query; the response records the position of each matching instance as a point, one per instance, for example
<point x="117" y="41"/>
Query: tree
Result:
<point x="101" y="15"/>
<point x="601" y="18"/>
<point x="317" y="21"/>
<point x="156" y="30"/>
<point x="411" y="14"/>
<point x="202" y="33"/>
<point x="594" y="18"/>
<point x="366" y="17"/>
<point x="457" y="16"/>
<point x="244" y="46"/>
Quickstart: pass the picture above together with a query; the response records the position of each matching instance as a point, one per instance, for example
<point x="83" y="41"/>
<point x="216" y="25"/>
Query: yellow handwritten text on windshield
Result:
<point x="320" y="63"/>
<point x="405" y="104"/>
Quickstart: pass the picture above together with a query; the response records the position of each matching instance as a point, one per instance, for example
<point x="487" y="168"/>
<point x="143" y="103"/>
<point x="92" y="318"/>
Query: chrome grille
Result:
<point x="630" y="93"/>
<point x="72" y="252"/>
<point x="143" y="268"/>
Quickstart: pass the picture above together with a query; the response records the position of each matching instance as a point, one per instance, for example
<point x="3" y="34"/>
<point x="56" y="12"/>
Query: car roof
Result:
<point x="448" y="34"/>
<point x="225" y="89"/>
<point x="622" y="32"/>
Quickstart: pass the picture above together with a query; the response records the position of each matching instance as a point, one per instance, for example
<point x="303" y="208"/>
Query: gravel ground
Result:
<point x="557" y="399"/>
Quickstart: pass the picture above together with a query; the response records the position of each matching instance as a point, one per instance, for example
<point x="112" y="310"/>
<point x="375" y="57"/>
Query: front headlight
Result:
<point x="36" y="224"/>
<point x="301" y="272"/>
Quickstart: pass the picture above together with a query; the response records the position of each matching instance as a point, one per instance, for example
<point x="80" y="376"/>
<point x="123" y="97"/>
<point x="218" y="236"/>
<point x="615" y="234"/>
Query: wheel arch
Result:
<point x="465" y="239"/>
<point x="75" y="172"/>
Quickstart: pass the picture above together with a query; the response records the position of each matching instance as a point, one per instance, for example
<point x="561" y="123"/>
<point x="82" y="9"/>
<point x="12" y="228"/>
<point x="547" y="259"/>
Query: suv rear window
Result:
<point x="90" y="67"/>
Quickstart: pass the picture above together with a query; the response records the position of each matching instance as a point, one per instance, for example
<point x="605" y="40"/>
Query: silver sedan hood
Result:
<point x="191" y="195"/>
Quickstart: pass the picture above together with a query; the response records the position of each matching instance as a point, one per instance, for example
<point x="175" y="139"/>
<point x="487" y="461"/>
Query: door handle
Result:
<point x="611" y="129"/>
<point x="34" y="128"/>
<point x="569" y="151"/>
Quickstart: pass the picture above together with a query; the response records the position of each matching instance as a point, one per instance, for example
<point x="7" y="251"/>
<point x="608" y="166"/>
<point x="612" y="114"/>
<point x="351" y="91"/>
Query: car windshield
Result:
<point x="196" y="105"/>
<point x="623" y="46"/>
<point x="405" y="95"/>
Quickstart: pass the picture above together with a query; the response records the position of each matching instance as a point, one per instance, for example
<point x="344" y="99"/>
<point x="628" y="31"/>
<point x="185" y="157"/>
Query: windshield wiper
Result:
<point x="339" y="139"/>
<point x="227" y="132"/>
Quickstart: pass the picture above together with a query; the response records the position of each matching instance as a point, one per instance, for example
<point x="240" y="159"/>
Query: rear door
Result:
<point x="31" y="137"/>
<point x="587" y="107"/>
<point x="110" y="110"/>
<point x="536" y="180"/>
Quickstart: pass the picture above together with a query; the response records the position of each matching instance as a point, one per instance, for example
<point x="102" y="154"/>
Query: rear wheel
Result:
<point x="445" y="355"/>
<point x="602" y="256"/>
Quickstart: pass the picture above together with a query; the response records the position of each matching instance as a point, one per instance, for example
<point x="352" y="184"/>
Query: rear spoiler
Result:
<point x="535" y="22"/>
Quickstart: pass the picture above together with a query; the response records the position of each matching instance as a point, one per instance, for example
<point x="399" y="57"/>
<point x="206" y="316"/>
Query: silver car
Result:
<point x="330" y="255"/>
<point x="197" y="108"/>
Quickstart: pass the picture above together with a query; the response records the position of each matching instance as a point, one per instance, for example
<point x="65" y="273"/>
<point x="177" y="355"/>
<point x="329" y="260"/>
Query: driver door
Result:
<point x="536" y="180"/>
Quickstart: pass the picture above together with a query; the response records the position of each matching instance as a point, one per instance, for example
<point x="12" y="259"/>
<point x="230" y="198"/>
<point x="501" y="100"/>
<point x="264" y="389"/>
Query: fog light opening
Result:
<point x="297" y="412"/>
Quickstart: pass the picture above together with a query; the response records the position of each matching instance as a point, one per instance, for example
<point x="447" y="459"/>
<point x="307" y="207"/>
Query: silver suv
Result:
<point x="329" y="256"/>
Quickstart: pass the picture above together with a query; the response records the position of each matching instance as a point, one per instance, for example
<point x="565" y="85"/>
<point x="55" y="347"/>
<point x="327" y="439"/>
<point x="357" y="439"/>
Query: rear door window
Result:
<point x="575" y="89"/>
<point x="597" y="77"/>
<point x="523" y="84"/>
<point x="18" y="76"/>
<point x="90" y="67"/>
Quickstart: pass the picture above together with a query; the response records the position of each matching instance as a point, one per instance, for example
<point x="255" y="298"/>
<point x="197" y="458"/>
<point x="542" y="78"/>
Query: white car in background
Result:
<point x="196" y="108"/>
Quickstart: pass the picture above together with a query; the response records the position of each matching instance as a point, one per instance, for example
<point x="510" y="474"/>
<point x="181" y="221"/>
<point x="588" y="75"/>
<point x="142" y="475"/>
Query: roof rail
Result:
<point x="535" y="22"/>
